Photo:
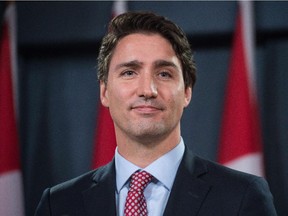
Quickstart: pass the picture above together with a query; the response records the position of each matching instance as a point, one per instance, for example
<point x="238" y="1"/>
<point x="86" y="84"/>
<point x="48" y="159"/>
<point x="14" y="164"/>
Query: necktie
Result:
<point x="135" y="204"/>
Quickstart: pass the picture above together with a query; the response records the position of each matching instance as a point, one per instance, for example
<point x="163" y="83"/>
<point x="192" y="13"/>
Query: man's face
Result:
<point x="145" y="89"/>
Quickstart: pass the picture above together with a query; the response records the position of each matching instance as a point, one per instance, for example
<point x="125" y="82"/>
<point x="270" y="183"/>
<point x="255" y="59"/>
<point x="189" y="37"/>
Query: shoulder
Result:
<point x="223" y="179"/>
<point x="84" y="181"/>
<point x="67" y="198"/>
<point x="246" y="192"/>
<point x="77" y="182"/>
<point x="61" y="196"/>
<point x="219" y="174"/>
<point x="211" y="171"/>
<point x="229" y="181"/>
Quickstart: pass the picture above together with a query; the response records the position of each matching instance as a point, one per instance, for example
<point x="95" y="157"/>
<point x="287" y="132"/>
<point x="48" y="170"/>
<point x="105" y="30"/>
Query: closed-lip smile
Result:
<point x="146" y="109"/>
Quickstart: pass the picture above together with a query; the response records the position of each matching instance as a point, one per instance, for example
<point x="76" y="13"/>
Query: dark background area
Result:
<point x="58" y="45"/>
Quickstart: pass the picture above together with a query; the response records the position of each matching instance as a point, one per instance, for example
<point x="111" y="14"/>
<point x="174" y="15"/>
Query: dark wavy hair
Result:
<point x="146" y="23"/>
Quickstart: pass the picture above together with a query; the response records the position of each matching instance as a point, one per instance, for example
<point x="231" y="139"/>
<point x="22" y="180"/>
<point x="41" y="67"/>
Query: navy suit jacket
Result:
<point x="201" y="188"/>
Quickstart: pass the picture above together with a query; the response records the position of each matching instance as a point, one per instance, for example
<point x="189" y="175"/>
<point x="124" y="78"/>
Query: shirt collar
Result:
<point x="163" y="169"/>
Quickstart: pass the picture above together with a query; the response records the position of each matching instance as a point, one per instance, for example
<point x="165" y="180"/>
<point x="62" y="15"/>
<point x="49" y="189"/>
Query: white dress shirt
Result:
<point x="157" y="192"/>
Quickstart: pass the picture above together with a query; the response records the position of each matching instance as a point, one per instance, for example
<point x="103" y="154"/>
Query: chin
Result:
<point x="150" y="135"/>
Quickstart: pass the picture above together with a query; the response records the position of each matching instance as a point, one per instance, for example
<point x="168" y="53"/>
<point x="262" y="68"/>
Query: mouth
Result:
<point x="143" y="108"/>
<point x="147" y="108"/>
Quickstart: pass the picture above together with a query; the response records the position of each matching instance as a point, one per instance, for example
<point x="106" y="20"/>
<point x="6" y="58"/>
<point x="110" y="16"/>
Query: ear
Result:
<point x="104" y="94"/>
<point x="188" y="96"/>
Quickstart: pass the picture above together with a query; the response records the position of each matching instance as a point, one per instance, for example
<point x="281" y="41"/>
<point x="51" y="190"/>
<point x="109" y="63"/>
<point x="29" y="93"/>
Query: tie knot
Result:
<point x="139" y="180"/>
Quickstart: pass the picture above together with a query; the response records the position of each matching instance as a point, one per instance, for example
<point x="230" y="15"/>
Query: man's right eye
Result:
<point x="128" y="73"/>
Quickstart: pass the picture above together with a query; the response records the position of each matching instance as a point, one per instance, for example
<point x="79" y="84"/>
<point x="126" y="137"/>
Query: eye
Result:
<point x="128" y="73"/>
<point x="165" y="74"/>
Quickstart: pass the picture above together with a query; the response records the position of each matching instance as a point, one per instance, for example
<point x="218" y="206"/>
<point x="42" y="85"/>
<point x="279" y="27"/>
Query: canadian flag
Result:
<point x="105" y="142"/>
<point x="11" y="194"/>
<point x="240" y="137"/>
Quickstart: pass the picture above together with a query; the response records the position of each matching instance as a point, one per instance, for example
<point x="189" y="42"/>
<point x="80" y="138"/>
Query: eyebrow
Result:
<point x="137" y="64"/>
<point x="164" y="63"/>
<point x="131" y="64"/>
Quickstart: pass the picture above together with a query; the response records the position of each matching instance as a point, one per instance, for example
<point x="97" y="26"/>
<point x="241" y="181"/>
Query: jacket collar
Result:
<point x="189" y="190"/>
<point x="99" y="198"/>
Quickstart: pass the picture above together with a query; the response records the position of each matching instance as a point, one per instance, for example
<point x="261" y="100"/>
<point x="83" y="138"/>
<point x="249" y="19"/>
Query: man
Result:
<point x="146" y="74"/>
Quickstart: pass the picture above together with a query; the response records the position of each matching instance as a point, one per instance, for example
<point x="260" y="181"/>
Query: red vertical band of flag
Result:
<point x="8" y="132"/>
<point x="11" y="194"/>
<point x="105" y="141"/>
<point x="240" y="139"/>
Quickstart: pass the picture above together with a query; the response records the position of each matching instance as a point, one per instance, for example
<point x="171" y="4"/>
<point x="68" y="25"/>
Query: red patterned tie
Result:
<point x="135" y="202"/>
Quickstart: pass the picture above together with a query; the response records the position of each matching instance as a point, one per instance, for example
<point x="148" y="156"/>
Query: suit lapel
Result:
<point x="188" y="191"/>
<point x="99" y="199"/>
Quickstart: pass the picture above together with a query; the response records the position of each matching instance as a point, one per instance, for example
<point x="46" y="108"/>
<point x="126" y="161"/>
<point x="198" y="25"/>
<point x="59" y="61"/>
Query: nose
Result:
<point x="147" y="87"/>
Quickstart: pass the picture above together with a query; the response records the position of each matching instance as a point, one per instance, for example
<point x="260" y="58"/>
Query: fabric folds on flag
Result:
<point x="105" y="142"/>
<point x="11" y="193"/>
<point x="240" y="137"/>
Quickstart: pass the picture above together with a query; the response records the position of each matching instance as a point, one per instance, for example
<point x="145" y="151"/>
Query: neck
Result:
<point x="143" y="153"/>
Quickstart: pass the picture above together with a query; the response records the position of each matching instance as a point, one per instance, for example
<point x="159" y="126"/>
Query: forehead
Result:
<point x="144" y="38"/>
<point x="144" y="46"/>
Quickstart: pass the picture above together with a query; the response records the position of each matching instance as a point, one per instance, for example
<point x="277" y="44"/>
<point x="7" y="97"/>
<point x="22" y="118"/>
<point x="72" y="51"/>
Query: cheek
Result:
<point x="174" y="104"/>
<point x="180" y="99"/>
<point x="118" y="95"/>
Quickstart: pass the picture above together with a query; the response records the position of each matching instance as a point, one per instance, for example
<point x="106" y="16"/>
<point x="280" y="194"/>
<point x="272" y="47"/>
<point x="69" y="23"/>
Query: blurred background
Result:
<point x="58" y="45"/>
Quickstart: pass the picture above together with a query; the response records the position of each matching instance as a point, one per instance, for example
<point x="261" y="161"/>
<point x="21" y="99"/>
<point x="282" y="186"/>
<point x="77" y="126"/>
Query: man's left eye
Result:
<point x="165" y="74"/>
